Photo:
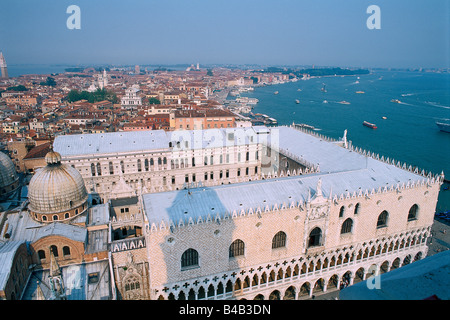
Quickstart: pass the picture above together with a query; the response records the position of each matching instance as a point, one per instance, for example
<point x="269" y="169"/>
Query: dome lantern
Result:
<point x="52" y="158"/>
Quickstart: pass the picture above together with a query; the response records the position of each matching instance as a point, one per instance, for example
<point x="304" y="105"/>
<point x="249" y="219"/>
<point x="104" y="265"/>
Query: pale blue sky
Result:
<point x="414" y="33"/>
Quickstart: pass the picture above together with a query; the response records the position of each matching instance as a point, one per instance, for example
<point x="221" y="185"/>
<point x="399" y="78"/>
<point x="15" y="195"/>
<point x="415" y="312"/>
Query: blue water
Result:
<point x="409" y="134"/>
<point x="16" y="70"/>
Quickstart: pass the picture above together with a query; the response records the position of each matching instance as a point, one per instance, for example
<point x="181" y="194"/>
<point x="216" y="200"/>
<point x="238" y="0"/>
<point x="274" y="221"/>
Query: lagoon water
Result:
<point x="16" y="70"/>
<point x="408" y="134"/>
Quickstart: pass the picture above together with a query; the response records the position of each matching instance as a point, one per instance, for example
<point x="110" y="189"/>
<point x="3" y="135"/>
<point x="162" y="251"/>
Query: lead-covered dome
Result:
<point x="57" y="191"/>
<point x="9" y="181"/>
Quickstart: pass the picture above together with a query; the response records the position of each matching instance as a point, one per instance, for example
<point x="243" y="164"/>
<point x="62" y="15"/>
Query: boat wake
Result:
<point x="437" y="105"/>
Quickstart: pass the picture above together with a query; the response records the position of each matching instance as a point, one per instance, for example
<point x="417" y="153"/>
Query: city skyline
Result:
<point x="412" y="35"/>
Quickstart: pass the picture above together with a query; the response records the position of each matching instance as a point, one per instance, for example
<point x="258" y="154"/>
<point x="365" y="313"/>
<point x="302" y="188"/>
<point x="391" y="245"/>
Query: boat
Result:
<point x="384" y="118"/>
<point x="444" y="127"/>
<point x="370" y="125"/>
<point x="297" y="101"/>
<point x="323" y="88"/>
<point x="276" y="92"/>
<point x="344" y="102"/>
<point x="396" y="101"/>
<point x="324" y="101"/>
<point x="360" y="92"/>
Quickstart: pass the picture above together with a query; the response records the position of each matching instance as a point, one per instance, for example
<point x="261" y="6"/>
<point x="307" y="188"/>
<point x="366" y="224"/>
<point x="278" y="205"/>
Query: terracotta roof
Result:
<point x="39" y="151"/>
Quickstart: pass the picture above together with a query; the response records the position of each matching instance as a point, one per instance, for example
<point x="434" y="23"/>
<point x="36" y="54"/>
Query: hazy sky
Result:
<point x="414" y="33"/>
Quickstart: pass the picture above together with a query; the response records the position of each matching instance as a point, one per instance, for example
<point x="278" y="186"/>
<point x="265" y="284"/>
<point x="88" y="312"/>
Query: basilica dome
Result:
<point x="57" y="191"/>
<point x="9" y="181"/>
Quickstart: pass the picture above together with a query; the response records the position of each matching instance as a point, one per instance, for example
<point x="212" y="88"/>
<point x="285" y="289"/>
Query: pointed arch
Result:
<point x="382" y="221"/>
<point x="289" y="294"/>
<point x="315" y="237"/>
<point x="275" y="295"/>
<point x="347" y="226"/>
<point x="211" y="291"/>
<point x="279" y="240"/>
<point x="413" y="212"/>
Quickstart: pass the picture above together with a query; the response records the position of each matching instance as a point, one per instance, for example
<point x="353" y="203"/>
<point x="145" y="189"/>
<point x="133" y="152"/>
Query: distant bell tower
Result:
<point x="3" y="66"/>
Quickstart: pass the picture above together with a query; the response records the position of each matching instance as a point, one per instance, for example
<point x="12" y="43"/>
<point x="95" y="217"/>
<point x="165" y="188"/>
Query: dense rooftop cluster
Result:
<point x="36" y="108"/>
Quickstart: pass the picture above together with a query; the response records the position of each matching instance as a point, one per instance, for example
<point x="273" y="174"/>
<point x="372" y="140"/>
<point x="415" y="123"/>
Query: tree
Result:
<point x="96" y="96"/>
<point x="209" y="73"/>
<point x="153" y="101"/>
<point x="17" y="88"/>
<point x="49" y="82"/>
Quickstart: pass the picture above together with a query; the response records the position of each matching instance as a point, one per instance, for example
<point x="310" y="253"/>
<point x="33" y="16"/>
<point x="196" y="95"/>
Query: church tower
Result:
<point x="102" y="79"/>
<point x="3" y="66"/>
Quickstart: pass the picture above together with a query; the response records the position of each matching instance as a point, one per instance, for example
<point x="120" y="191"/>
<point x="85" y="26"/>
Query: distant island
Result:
<point x="74" y="69"/>
<point x="317" y="72"/>
<point x="331" y="72"/>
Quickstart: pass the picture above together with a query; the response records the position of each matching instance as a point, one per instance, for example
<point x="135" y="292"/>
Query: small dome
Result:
<point x="8" y="175"/>
<point x="53" y="157"/>
<point x="56" y="188"/>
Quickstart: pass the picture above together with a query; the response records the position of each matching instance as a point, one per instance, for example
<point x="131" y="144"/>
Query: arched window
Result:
<point x="41" y="254"/>
<point x="152" y="162"/>
<point x="357" y="208"/>
<point x="66" y="251"/>
<point x="279" y="240"/>
<point x="99" y="169"/>
<point x="92" y="169"/>
<point x="382" y="219"/>
<point x="146" y="164"/>
<point x="132" y="283"/>
<point x="341" y="212"/>
<point x="347" y="226"/>
<point x="236" y="248"/>
<point x="54" y="250"/>
<point x="189" y="258"/>
<point x="139" y="165"/>
<point x="122" y="166"/>
<point x="412" y="215"/>
<point x="315" y="237"/>
<point x="66" y="215"/>
<point x="111" y="168"/>
<point x="159" y="161"/>
<point x="55" y="217"/>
